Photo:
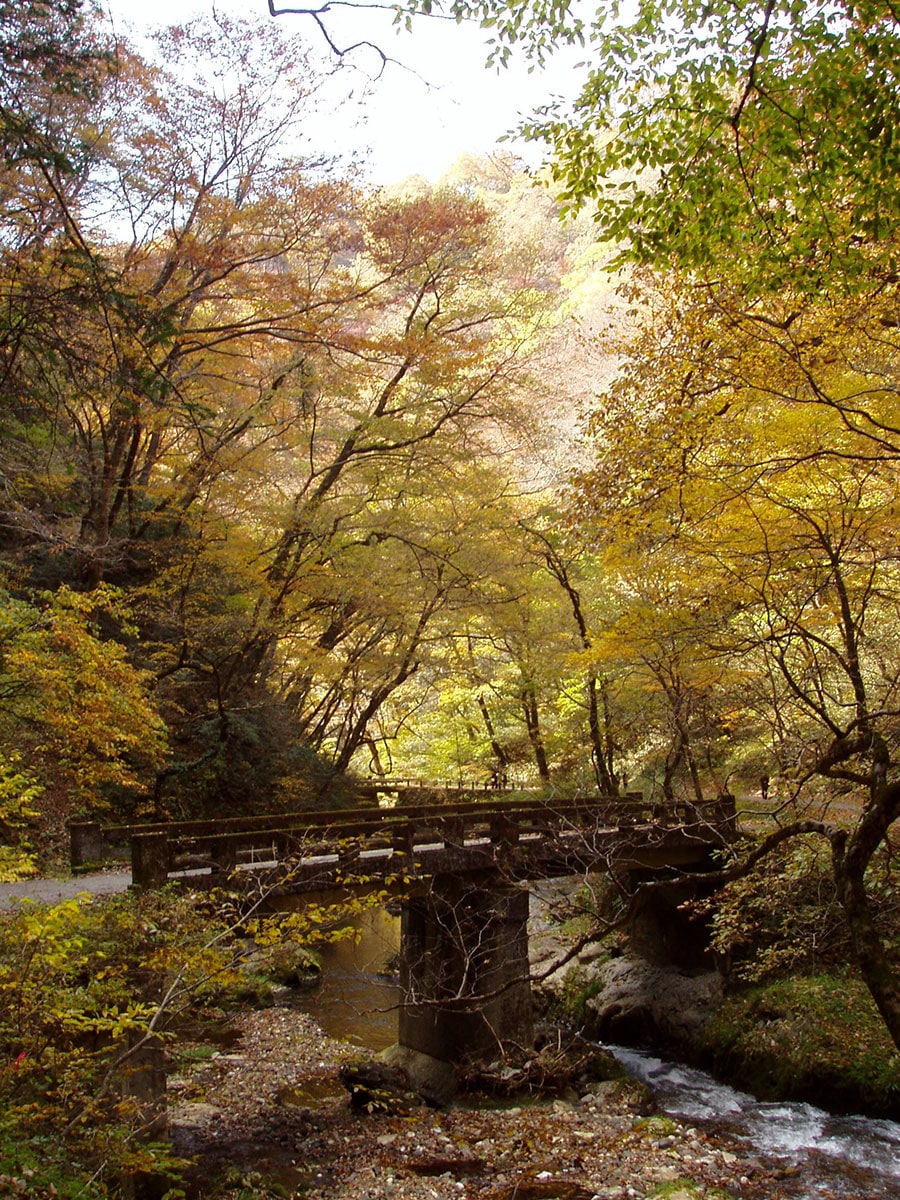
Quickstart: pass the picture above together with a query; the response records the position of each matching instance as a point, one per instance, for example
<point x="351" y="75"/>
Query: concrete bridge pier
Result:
<point x="464" y="982"/>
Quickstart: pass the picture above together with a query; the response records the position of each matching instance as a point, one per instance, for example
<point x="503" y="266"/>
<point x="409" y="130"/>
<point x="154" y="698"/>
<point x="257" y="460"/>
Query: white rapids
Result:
<point x="829" y="1148"/>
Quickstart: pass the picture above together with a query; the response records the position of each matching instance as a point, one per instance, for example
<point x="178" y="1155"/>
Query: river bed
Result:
<point x="357" y="999"/>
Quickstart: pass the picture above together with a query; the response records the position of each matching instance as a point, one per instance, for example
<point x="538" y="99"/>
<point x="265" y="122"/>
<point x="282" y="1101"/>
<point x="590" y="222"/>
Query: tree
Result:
<point x="756" y="139"/>
<point x="375" y="473"/>
<point x="153" y="319"/>
<point x="508" y="695"/>
<point x="720" y="457"/>
<point x="753" y="147"/>
<point x="243" y="389"/>
<point x="165" y="274"/>
<point x="669" y="678"/>
<point x="71" y="706"/>
<point x="54" y="67"/>
<point x="563" y="566"/>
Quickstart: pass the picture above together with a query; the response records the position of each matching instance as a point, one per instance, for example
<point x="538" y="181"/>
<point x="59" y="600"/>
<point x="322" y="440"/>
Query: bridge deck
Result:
<point x="534" y="838"/>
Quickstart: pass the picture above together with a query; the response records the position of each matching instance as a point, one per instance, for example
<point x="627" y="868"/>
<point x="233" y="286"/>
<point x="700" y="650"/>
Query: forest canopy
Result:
<point x="741" y="496"/>
<point x="281" y="494"/>
<point x="265" y="435"/>
<point x="295" y="435"/>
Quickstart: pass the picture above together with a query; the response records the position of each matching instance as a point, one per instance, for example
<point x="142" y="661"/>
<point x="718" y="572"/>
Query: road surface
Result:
<point x="50" y="891"/>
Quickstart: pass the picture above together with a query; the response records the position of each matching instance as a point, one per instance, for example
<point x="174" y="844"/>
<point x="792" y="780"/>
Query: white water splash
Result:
<point x="795" y="1132"/>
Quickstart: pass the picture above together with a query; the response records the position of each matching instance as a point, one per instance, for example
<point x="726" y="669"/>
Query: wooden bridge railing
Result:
<point x="207" y="851"/>
<point x="92" y="842"/>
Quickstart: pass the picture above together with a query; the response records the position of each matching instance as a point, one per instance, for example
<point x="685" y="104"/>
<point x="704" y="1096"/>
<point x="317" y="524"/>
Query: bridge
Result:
<point x="460" y="869"/>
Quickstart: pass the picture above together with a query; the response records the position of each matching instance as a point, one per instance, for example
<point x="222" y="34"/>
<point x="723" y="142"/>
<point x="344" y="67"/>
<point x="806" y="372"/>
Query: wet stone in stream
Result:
<point x="459" y="1168"/>
<point x="311" y="1093"/>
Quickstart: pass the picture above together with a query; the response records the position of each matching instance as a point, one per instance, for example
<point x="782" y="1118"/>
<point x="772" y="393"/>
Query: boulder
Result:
<point x="636" y="1001"/>
<point x="434" y="1080"/>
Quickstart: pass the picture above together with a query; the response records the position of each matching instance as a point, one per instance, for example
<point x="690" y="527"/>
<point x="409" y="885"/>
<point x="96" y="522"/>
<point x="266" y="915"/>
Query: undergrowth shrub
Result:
<point x="86" y="987"/>
<point x="83" y="985"/>
<point x="783" y="918"/>
<point x="19" y="792"/>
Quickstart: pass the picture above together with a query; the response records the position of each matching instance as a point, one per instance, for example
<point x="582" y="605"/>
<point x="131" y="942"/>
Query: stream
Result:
<point x="356" y="1000"/>
<point x="833" y="1155"/>
<point x="837" y="1153"/>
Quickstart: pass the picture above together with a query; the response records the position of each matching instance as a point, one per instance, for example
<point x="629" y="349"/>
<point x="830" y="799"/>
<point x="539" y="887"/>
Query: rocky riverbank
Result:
<point x="268" y="1112"/>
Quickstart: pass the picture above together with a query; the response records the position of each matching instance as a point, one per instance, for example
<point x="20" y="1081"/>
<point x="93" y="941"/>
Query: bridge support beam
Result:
<point x="464" y="982"/>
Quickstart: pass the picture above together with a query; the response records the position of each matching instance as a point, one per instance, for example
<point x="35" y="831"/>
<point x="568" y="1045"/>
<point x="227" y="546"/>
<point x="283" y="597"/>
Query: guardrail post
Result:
<point x="627" y="816"/>
<point x="224" y="855"/>
<point x="402" y="839"/>
<point x="454" y="832"/>
<point x="726" y="816"/>
<point x="660" y="813"/>
<point x="504" y="830"/>
<point x="348" y="854"/>
<point x="86" y="843"/>
<point x="149" y="860"/>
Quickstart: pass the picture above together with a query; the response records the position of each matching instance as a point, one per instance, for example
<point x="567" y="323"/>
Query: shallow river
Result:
<point x="356" y="1000"/>
<point x="837" y="1154"/>
<point x="834" y="1155"/>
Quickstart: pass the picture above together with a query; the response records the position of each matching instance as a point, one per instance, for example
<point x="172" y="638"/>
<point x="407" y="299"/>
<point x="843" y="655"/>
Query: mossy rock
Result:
<point x="249" y="989"/>
<point x="287" y="964"/>
<point x="658" y="1126"/>
<point x="625" y="1093"/>
<point x="818" y="1038"/>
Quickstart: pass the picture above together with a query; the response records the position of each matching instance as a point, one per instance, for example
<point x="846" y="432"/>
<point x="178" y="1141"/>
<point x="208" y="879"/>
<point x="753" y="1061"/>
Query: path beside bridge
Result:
<point x="52" y="891"/>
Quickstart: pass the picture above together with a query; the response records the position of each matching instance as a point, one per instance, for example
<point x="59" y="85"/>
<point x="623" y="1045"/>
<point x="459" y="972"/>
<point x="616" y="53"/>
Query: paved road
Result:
<point x="48" y="891"/>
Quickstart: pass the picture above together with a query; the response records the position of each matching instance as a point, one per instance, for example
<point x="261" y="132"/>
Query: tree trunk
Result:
<point x="376" y="766"/>
<point x="533" y="725"/>
<point x="673" y="762"/>
<point x="605" y="782"/>
<point x="601" y="755"/>
<point x="851" y="857"/>
<point x="502" y="771"/>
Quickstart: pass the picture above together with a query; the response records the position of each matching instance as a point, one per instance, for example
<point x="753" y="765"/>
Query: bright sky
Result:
<point x="414" y="121"/>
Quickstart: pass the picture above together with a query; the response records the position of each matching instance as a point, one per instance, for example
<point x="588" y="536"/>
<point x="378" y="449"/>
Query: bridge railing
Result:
<point x="91" y="841"/>
<point x="205" y="851"/>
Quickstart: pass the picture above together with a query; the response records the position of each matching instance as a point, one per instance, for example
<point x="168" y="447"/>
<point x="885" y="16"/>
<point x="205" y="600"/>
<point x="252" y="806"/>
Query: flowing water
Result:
<point x="357" y="997"/>
<point x="837" y="1155"/>
<point x="832" y="1155"/>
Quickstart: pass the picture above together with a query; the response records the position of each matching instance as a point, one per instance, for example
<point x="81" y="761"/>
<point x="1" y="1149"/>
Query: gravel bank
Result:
<point x="272" y="1104"/>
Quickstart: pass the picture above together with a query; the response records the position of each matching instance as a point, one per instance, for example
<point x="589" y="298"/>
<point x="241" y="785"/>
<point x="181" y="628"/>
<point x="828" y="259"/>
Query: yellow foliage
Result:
<point x="84" y="709"/>
<point x="745" y="492"/>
